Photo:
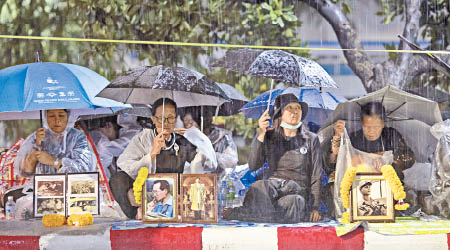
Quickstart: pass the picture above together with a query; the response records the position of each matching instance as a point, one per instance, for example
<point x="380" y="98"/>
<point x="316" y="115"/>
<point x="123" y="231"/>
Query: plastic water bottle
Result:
<point x="222" y="193"/>
<point x="10" y="208"/>
<point x="230" y="195"/>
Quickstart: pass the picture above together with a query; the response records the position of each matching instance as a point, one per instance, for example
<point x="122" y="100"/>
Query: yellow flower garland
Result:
<point x="80" y="219"/>
<point x="388" y="173"/>
<point x="53" y="220"/>
<point x="138" y="183"/>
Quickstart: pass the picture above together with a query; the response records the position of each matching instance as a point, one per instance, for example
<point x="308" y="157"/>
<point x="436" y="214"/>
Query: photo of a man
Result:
<point x="162" y="203"/>
<point x="197" y="196"/>
<point x="370" y="206"/>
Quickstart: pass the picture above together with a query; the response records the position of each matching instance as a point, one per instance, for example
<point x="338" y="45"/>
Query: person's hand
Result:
<point x="151" y="205"/>
<point x="45" y="158"/>
<point x="180" y="131"/>
<point x="32" y="156"/>
<point x="332" y="176"/>
<point x="314" y="216"/>
<point x="40" y="135"/>
<point x="139" y="213"/>
<point x="159" y="142"/>
<point x="339" y="127"/>
<point x="263" y="125"/>
<point x="335" y="144"/>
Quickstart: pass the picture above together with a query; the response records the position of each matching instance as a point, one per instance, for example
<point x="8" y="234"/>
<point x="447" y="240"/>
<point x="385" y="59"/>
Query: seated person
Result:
<point x="56" y="148"/>
<point x="161" y="151"/>
<point x="375" y="138"/>
<point x="291" y="193"/>
<point x="112" y="138"/>
<point x="221" y="139"/>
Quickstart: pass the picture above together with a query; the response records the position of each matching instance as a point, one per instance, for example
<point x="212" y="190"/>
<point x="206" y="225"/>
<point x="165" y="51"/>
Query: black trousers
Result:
<point x="120" y="183"/>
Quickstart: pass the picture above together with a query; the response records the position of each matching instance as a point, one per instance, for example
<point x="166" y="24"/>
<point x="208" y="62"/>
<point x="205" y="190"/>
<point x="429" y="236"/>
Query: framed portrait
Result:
<point x="160" y="198"/>
<point x="83" y="193"/>
<point x="49" y="194"/>
<point x="371" y="199"/>
<point x="198" y="198"/>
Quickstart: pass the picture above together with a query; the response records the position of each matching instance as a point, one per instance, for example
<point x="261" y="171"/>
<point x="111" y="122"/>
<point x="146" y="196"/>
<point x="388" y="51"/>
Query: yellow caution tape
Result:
<point x="71" y="39"/>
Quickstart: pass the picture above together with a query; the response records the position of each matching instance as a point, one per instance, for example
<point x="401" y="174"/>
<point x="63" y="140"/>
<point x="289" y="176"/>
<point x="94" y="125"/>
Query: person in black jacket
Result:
<point x="291" y="192"/>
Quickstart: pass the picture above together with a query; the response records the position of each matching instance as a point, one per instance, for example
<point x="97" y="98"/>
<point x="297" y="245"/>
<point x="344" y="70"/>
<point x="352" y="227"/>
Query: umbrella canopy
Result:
<point x="277" y="65"/>
<point x="409" y="114"/>
<point x="237" y="100"/>
<point x="315" y="99"/>
<point x="103" y="106"/>
<point x="43" y="85"/>
<point x="144" y="85"/>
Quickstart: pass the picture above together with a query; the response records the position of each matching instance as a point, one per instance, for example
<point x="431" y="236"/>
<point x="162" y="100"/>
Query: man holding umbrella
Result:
<point x="291" y="192"/>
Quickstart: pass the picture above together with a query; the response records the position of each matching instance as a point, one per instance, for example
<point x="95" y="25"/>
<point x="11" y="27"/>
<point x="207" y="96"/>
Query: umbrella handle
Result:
<point x="270" y="94"/>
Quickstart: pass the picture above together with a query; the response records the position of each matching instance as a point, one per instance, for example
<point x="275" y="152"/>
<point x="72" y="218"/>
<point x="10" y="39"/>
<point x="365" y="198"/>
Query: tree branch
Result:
<point x="358" y="61"/>
<point x="410" y="31"/>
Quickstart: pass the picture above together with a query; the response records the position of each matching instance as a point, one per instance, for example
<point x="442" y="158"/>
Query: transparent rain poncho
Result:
<point x="71" y="146"/>
<point x="107" y="149"/>
<point x="225" y="152"/>
<point x="440" y="177"/>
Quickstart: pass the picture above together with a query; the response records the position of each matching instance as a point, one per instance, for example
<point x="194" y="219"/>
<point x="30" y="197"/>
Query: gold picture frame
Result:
<point x="371" y="199"/>
<point x="198" y="198"/>
<point x="160" y="198"/>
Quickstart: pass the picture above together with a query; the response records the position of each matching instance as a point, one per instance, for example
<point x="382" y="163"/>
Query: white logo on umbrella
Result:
<point x="51" y="81"/>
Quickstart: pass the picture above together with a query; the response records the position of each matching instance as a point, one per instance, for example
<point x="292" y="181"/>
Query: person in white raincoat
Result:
<point x="110" y="143"/>
<point x="56" y="148"/>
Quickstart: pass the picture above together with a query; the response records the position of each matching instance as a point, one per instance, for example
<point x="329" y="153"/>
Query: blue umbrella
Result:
<point x="321" y="103"/>
<point x="43" y="85"/>
<point x="28" y="88"/>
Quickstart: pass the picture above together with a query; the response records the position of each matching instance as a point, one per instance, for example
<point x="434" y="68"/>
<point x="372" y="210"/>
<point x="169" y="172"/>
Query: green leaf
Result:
<point x="266" y="6"/>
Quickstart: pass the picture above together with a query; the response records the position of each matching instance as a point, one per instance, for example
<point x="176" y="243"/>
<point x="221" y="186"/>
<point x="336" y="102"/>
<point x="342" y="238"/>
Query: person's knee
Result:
<point x="118" y="181"/>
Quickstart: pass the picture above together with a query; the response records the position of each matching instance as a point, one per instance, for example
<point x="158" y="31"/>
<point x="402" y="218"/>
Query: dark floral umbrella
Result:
<point x="277" y="65"/>
<point x="144" y="85"/>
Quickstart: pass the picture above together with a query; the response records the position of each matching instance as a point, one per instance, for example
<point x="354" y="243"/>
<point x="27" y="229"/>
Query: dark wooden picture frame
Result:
<point x="83" y="193"/>
<point x="155" y="197"/>
<point x="198" y="198"/>
<point x="371" y="199"/>
<point x="49" y="194"/>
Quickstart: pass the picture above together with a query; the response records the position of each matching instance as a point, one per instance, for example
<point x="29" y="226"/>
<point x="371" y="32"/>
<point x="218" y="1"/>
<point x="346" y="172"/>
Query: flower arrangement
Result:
<point x="80" y="219"/>
<point x="138" y="183"/>
<point x="53" y="220"/>
<point x="388" y="173"/>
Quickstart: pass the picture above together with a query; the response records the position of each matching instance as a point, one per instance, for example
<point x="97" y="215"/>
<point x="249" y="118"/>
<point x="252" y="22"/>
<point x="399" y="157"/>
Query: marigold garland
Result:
<point x="138" y="183"/>
<point x="388" y="173"/>
<point x="53" y="220"/>
<point x="80" y="219"/>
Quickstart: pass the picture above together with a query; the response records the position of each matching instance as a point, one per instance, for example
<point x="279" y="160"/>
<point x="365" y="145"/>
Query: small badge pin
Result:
<point x="303" y="150"/>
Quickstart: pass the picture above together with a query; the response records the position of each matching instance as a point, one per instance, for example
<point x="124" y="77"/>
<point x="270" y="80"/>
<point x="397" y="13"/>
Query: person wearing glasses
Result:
<point x="162" y="205"/>
<point x="159" y="149"/>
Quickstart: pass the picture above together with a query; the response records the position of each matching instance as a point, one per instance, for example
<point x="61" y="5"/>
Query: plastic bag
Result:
<point x="349" y="156"/>
<point x="418" y="176"/>
<point x="440" y="174"/>
<point x="24" y="207"/>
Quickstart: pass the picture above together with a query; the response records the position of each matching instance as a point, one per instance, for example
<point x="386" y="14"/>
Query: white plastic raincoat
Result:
<point x="71" y="146"/>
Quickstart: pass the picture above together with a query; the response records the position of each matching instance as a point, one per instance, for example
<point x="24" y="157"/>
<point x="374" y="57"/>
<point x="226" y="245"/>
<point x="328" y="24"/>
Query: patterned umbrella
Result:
<point x="144" y="85"/>
<point x="277" y="65"/>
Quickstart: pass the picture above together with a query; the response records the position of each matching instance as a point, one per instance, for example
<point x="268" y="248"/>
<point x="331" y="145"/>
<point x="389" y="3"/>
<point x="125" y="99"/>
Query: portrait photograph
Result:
<point x="160" y="196"/>
<point x="372" y="199"/>
<point x="49" y="206"/>
<point x="49" y="194"/>
<point x="199" y="198"/>
<point x="83" y="193"/>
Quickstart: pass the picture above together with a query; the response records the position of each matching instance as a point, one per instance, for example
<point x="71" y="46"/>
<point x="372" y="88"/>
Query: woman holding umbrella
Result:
<point x="56" y="148"/>
<point x="291" y="192"/>
<point x="160" y="149"/>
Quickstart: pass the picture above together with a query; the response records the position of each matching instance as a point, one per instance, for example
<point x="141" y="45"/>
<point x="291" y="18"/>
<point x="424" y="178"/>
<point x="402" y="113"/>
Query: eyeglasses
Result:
<point x="156" y="191"/>
<point x="169" y="119"/>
